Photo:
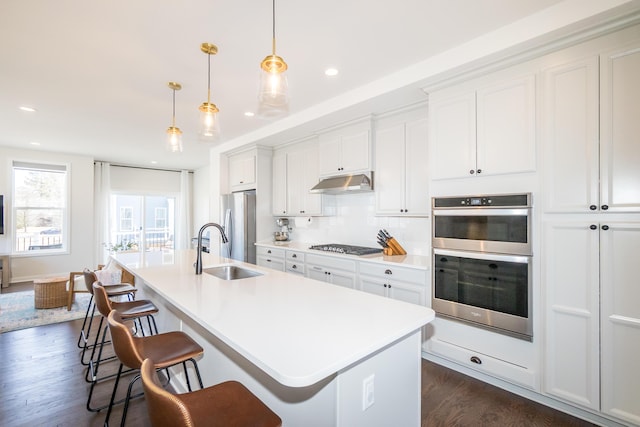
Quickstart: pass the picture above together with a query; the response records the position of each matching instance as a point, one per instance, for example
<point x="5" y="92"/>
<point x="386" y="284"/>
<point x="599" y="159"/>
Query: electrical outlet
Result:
<point x="368" y="395"/>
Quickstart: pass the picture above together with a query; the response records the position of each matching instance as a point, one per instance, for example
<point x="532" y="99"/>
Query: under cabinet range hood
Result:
<point x="345" y="184"/>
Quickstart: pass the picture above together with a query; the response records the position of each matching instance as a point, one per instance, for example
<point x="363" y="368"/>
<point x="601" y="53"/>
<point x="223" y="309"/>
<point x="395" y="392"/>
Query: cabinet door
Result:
<point x="242" y="170"/>
<point x="316" y="272"/>
<point x="620" y="311"/>
<point x="407" y="292"/>
<point x="280" y="184"/>
<point x="390" y="170"/>
<point x="453" y="135"/>
<point x="571" y="136"/>
<point x="373" y="285"/>
<point x="312" y="203"/>
<point x="356" y="152"/>
<point x="572" y="323"/>
<point x="417" y="173"/>
<point x="506" y="127"/>
<point x="330" y="154"/>
<point x="342" y="278"/>
<point x="620" y="129"/>
<point x="275" y="263"/>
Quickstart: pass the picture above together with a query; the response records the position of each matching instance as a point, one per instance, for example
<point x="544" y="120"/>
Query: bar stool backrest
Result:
<point x="164" y="408"/>
<point x="102" y="299"/>
<point x="124" y="343"/>
<point x="89" y="279"/>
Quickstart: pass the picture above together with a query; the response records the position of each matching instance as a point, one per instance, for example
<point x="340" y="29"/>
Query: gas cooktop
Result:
<point x="346" y="249"/>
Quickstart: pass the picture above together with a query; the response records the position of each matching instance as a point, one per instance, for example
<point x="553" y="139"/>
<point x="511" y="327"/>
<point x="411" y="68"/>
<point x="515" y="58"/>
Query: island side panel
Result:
<point x="395" y="373"/>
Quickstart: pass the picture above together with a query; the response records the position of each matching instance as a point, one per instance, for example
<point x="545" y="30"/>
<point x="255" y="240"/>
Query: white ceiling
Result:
<point x="97" y="71"/>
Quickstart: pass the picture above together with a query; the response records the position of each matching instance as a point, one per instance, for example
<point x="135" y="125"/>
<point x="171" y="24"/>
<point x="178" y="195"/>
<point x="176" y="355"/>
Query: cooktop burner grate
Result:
<point x="346" y="249"/>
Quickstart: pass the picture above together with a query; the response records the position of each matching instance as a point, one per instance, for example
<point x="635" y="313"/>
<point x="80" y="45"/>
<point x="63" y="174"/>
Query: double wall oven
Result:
<point x="482" y="270"/>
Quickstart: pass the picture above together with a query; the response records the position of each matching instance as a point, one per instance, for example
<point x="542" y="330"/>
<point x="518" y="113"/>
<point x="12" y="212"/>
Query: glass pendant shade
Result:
<point x="209" y="124"/>
<point x="273" y="95"/>
<point x="174" y="140"/>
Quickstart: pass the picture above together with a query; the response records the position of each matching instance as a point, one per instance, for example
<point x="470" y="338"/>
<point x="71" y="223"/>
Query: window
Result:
<point x="40" y="206"/>
<point x="126" y="218"/>
<point x="161" y="217"/>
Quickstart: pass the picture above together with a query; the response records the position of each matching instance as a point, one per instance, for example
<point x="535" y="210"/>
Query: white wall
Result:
<point x="80" y="254"/>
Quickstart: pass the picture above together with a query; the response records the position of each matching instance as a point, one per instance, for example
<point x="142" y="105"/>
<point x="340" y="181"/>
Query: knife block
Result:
<point x="394" y="248"/>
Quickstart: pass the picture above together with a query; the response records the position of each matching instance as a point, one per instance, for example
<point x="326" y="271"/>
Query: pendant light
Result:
<point x="209" y="126"/>
<point x="273" y="95"/>
<point x="174" y="135"/>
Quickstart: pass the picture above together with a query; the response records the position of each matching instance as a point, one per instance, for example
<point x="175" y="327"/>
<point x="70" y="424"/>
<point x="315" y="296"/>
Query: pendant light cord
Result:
<point x="273" y="21"/>
<point x="209" y="79"/>
<point x="173" y="122"/>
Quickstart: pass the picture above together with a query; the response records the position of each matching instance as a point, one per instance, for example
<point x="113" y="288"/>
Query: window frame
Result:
<point x="65" y="235"/>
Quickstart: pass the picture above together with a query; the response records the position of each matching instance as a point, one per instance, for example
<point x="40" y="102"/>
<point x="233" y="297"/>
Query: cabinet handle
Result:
<point x="294" y="256"/>
<point x="476" y="359"/>
<point x="479" y="171"/>
<point x="294" y="266"/>
<point x="472" y="171"/>
<point x="593" y="227"/>
<point x="268" y="260"/>
<point x="593" y="207"/>
<point x="268" y="251"/>
<point x="604" y="207"/>
<point x="605" y="227"/>
<point x="388" y="271"/>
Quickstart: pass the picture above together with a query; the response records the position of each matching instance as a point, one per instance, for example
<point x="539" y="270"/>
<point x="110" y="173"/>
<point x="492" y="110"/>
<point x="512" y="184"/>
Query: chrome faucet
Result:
<point x="199" y="249"/>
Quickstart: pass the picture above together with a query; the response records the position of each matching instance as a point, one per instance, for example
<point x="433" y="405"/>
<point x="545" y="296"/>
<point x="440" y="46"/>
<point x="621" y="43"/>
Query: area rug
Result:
<point x="17" y="311"/>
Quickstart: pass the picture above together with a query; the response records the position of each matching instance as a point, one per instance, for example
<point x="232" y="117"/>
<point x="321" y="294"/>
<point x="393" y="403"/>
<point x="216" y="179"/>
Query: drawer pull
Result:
<point x="476" y="360"/>
<point x="294" y="256"/>
<point x="268" y="251"/>
<point x="387" y="271"/>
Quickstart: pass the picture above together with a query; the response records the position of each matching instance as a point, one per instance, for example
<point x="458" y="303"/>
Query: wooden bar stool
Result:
<point x="229" y="404"/>
<point x="166" y="350"/>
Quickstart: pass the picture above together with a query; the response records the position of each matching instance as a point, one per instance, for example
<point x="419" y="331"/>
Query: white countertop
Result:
<point x="298" y="330"/>
<point x="411" y="261"/>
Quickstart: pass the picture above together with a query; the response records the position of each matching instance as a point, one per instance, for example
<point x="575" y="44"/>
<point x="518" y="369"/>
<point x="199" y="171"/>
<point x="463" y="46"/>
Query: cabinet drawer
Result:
<point x="295" y="256"/>
<point x="269" y="252"/>
<point x="331" y="262"/>
<point x="393" y="272"/>
<point x="483" y="363"/>
<point x="294" y="266"/>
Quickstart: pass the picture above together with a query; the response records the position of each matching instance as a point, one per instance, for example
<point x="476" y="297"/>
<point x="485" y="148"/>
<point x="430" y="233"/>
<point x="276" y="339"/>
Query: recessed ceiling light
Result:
<point x="153" y="162"/>
<point x="34" y="143"/>
<point x="28" y="109"/>
<point x="331" y="72"/>
<point x="249" y="113"/>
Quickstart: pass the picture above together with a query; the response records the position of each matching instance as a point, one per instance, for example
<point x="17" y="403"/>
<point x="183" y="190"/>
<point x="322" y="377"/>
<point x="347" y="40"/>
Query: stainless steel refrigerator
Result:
<point x="238" y="216"/>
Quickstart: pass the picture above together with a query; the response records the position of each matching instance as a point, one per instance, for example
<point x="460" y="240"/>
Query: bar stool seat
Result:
<point x="169" y="349"/>
<point x="229" y="404"/>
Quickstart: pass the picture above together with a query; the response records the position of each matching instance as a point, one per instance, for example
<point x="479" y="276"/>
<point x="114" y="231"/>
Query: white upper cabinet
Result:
<point x="242" y="171"/>
<point x="590" y="132"/>
<point x="401" y="173"/>
<point x="620" y="129"/>
<point x="295" y="172"/>
<point x="345" y="150"/>
<point x="484" y="130"/>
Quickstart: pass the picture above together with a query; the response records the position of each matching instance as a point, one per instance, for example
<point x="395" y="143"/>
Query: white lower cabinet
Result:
<point x="270" y="257"/>
<point x="332" y="270"/>
<point x="294" y="262"/>
<point x="404" y="284"/>
<point x="592" y="314"/>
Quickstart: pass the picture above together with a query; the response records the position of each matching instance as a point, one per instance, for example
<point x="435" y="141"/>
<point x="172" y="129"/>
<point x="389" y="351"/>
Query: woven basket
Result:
<point x="50" y="293"/>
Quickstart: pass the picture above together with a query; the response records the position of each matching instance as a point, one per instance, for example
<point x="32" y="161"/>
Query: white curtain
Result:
<point x="183" y="218"/>
<point x="102" y="195"/>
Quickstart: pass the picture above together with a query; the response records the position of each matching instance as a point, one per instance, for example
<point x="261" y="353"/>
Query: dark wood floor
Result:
<point x="42" y="384"/>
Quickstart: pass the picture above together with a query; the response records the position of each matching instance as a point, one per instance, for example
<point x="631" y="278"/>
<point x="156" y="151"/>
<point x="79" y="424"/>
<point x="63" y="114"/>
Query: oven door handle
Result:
<point x="482" y="212"/>
<point x="520" y="259"/>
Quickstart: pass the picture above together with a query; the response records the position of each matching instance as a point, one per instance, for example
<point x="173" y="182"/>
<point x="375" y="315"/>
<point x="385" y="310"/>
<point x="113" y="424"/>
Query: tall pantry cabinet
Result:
<point x="591" y="226"/>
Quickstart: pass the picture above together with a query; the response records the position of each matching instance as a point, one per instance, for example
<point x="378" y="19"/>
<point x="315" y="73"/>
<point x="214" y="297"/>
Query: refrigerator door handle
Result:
<point x="227" y="231"/>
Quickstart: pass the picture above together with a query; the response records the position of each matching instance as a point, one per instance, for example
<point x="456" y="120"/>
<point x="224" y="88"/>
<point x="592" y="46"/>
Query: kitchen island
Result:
<point x="317" y="354"/>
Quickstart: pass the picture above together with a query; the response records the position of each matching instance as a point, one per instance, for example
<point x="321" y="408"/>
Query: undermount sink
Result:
<point x="230" y="272"/>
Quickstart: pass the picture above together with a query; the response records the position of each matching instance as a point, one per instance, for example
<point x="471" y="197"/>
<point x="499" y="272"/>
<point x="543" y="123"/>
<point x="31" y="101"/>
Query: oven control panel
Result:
<point x="485" y="201"/>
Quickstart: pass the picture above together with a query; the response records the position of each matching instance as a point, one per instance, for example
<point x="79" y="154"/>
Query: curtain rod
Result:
<point x="141" y="167"/>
